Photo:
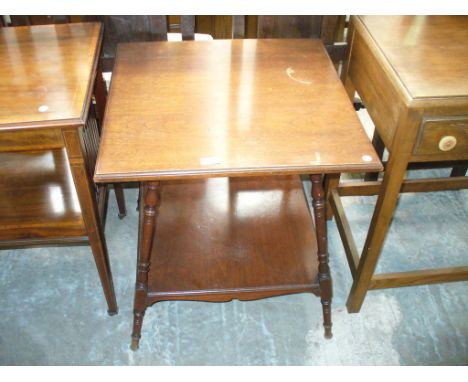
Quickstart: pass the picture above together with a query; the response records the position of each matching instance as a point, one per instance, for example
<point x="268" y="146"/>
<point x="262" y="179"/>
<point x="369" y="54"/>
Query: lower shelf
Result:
<point x="38" y="201"/>
<point x="224" y="238"/>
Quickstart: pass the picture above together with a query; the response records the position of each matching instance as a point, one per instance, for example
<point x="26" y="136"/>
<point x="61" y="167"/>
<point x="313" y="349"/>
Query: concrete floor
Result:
<point x="53" y="311"/>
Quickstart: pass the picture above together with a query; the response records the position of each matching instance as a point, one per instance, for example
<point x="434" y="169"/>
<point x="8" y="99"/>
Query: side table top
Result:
<point x="228" y="108"/>
<point x="46" y="73"/>
<point x="429" y="54"/>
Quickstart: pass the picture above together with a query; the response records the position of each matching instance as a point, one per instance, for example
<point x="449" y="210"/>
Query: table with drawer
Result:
<point x="411" y="73"/>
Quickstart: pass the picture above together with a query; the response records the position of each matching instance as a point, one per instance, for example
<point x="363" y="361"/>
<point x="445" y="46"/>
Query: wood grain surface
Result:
<point x="46" y="72"/>
<point x="228" y="107"/>
<point x="38" y="197"/>
<point x="417" y="47"/>
<point x="215" y="241"/>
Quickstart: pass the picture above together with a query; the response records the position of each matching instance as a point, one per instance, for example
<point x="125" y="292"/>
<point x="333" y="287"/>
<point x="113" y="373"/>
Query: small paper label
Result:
<point x="206" y="161"/>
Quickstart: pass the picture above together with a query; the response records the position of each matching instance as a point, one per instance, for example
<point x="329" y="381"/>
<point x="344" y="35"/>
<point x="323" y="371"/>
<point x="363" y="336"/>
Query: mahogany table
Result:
<point x="48" y="141"/>
<point x="217" y="133"/>
<point x="411" y="73"/>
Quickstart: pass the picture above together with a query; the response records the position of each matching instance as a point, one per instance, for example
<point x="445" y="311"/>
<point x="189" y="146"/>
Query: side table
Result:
<point x="217" y="133"/>
<point x="49" y="141"/>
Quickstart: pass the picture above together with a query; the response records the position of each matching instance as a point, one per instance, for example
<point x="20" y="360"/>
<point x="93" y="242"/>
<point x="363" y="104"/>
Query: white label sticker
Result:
<point x="43" y="108"/>
<point x="366" y="158"/>
<point x="206" y="161"/>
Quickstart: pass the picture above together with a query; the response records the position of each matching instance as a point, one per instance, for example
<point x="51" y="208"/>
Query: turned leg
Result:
<point x="147" y="230"/>
<point x="379" y="149"/>
<point x="325" y="282"/>
<point x="119" y="195"/>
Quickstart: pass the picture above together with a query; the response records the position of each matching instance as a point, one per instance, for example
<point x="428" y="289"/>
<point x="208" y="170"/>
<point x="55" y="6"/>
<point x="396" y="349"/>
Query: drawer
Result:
<point x="30" y="139"/>
<point x="439" y="136"/>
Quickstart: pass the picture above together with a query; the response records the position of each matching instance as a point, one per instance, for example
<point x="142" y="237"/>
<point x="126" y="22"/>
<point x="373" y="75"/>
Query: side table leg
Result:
<point x="325" y="282"/>
<point x="74" y="145"/>
<point x="119" y="195"/>
<point x="146" y="235"/>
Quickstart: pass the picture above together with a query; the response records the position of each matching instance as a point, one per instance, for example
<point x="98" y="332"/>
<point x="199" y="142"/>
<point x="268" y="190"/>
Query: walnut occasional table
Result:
<point x="217" y="133"/>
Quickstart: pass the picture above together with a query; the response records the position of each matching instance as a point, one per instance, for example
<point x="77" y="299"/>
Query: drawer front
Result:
<point x="27" y="140"/>
<point x="439" y="136"/>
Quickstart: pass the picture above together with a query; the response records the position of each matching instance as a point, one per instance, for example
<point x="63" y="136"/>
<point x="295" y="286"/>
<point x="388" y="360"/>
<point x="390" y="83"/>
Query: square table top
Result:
<point x="47" y="73"/>
<point x="228" y="108"/>
<point x="428" y="54"/>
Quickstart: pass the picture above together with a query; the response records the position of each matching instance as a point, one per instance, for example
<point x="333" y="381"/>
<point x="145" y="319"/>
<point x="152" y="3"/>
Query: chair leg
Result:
<point x="119" y="195"/>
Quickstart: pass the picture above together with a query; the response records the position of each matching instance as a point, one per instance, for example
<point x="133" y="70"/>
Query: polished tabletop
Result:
<point x="428" y="53"/>
<point x="46" y="73"/>
<point x="228" y="108"/>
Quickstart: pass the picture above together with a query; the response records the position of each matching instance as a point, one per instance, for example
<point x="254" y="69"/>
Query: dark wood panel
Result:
<point x="187" y="27"/>
<point x="289" y="26"/>
<point x="332" y="28"/>
<point x="121" y="29"/>
<point x="251" y="26"/>
<point x="219" y="27"/>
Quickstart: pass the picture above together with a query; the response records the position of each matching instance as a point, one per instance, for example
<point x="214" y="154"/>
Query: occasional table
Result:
<point x="217" y="133"/>
<point x="49" y="139"/>
<point x="411" y="73"/>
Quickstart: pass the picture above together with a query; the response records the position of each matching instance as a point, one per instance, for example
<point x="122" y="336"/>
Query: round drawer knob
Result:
<point x="447" y="143"/>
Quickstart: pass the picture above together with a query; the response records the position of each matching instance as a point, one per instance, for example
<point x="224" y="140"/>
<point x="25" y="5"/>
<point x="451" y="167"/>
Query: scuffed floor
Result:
<point x="53" y="311"/>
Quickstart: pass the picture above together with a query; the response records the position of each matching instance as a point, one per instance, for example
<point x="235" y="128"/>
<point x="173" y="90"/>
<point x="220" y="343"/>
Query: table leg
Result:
<point x="325" y="282"/>
<point x="146" y="236"/>
<point x="89" y="209"/>
<point x="381" y="219"/>
<point x="119" y="195"/>
<point x="459" y="171"/>
<point x="379" y="147"/>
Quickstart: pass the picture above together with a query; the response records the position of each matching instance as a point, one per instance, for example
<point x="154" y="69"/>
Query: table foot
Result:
<point x="327" y="324"/>
<point x="113" y="312"/>
<point x="135" y="344"/>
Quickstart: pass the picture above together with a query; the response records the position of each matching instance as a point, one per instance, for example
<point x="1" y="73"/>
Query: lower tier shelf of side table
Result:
<point x="223" y="238"/>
